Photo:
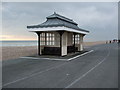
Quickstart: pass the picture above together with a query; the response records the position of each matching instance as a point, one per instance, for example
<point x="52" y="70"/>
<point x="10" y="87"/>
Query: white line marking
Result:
<point x="61" y="59"/>
<point x="81" y="55"/>
<point x="33" y="75"/>
<point x="87" y="72"/>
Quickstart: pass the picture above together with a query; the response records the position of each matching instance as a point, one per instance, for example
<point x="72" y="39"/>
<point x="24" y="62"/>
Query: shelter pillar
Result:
<point x="60" y="33"/>
<point x="64" y="44"/>
<point x="39" y="49"/>
<point x="81" y="42"/>
<point x="74" y="41"/>
<point x="45" y="39"/>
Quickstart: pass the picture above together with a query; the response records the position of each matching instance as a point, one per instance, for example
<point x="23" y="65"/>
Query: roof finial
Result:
<point x="54" y="12"/>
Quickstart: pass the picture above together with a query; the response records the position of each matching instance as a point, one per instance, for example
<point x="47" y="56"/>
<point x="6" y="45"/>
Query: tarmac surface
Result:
<point x="98" y="69"/>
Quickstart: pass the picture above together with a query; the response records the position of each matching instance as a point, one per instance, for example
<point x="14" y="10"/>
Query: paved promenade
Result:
<point x="98" y="69"/>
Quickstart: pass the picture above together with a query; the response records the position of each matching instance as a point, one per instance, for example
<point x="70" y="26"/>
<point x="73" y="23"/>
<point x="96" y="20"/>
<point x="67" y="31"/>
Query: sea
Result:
<point x="18" y="43"/>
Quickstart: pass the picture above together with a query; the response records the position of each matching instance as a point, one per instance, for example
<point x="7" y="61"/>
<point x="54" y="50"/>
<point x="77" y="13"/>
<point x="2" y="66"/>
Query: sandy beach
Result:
<point x="16" y="52"/>
<point x="94" y="43"/>
<point x="19" y="51"/>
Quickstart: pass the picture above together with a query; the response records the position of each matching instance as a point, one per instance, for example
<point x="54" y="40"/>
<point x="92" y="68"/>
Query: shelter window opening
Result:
<point x="48" y="38"/>
<point x="42" y="39"/>
<point x="77" y="39"/>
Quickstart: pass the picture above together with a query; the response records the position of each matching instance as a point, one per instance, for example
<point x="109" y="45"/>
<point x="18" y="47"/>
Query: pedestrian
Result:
<point x="106" y="42"/>
<point x="110" y="41"/>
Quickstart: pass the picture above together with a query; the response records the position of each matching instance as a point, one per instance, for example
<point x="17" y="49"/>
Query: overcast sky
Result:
<point x="101" y="19"/>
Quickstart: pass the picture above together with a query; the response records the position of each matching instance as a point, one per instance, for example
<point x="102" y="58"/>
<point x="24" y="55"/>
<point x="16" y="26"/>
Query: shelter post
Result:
<point x="74" y="42"/>
<point x="39" y="49"/>
<point x="45" y="39"/>
<point x="81" y="42"/>
<point x="60" y="33"/>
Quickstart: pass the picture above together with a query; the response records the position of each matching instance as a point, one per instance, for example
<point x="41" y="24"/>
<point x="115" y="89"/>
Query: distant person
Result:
<point x="106" y="42"/>
<point x="118" y="41"/>
<point x="110" y="41"/>
<point x="114" y="41"/>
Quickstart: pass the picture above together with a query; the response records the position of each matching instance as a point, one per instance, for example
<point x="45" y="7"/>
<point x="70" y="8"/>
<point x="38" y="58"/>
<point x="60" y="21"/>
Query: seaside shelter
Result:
<point x="58" y="35"/>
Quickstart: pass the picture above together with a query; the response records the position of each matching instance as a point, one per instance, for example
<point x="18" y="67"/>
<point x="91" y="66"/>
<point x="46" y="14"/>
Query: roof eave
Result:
<point x="57" y="29"/>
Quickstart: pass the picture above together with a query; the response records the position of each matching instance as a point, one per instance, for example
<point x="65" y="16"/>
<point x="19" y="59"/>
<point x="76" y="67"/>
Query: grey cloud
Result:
<point x="99" y="18"/>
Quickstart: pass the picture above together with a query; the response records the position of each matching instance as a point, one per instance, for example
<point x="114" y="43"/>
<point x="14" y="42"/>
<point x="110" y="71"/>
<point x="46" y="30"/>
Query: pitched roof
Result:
<point x="55" y="15"/>
<point x="56" y="20"/>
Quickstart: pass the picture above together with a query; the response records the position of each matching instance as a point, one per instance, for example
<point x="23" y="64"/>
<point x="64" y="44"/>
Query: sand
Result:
<point x="94" y="43"/>
<point x="16" y="52"/>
